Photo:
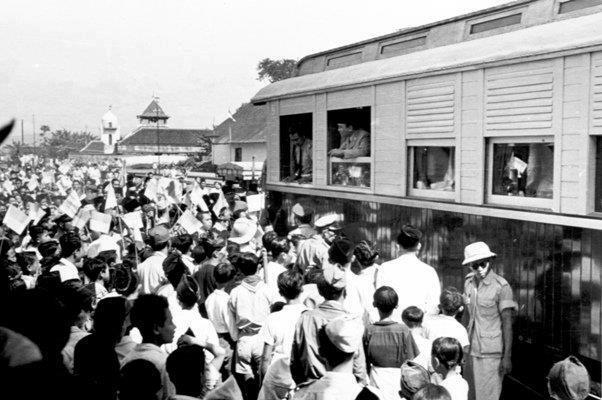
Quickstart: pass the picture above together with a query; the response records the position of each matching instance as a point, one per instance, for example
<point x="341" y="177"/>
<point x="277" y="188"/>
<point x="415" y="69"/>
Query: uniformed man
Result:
<point x="490" y="307"/>
<point x="302" y="216"/>
<point x="313" y="251"/>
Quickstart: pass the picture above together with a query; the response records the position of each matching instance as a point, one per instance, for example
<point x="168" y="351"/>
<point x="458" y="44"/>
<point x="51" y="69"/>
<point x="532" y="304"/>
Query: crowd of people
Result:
<point x="187" y="292"/>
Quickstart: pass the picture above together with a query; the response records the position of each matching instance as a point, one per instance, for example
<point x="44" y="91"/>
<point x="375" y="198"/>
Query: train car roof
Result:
<point x="573" y="34"/>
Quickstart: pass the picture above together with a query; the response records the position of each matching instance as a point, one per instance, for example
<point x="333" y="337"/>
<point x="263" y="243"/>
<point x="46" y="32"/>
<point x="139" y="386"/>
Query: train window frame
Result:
<point x="518" y="201"/>
<point x="411" y="145"/>
<point x="586" y="9"/>
<point x="596" y="176"/>
<point x="468" y="35"/>
<point x="306" y="122"/>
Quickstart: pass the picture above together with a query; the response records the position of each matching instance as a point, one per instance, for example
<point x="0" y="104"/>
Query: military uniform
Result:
<point x="485" y="302"/>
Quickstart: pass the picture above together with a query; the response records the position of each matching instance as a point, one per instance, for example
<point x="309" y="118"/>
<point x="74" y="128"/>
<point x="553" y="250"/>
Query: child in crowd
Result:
<point x="97" y="272"/>
<point x="216" y="305"/>
<point x="277" y="336"/>
<point x="249" y="306"/>
<point x="387" y="345"/>
<point x="445" y="324"/>
<point x="446" y="357"/>
<point x="432" y="392"/>
<point x="412" y="317"/>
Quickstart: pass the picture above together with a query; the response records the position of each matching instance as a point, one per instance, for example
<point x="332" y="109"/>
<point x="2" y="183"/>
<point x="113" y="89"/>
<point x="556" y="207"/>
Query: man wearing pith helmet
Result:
<point x="490" y="306"/>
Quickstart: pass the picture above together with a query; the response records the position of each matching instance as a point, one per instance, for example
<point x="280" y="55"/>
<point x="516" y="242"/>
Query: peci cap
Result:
<point x="568" y="380"/>
<point x="345" y="333"/>
<point x="330" y="221"/>
<point x="159" y="234"/>
<point x="477" y="251"/>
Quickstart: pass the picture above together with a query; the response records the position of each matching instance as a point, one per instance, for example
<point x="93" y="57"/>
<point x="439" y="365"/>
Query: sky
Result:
<point x="66" y="61"/>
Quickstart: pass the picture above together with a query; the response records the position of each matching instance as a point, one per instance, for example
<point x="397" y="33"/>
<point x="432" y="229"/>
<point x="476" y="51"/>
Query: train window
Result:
<point x="349" y="160"/>
<point x="432" y="170"/>
<point x="598" y="176"/>
<point x="574" y="5"/>
<point x="521" y="171"/>
<point x="496" y="23"/>
<point x="296" y="149"/>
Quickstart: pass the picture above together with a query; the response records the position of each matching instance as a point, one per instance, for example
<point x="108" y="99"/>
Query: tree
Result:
<point x="62" y="142"/>
<point x="275" y="70"/>
<point x="15" y="149"/>
<point x="44" y="129"/>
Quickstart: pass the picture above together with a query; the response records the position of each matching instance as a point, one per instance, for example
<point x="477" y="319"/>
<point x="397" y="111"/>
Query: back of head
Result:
<point x="409" y="237"/>
<point x="139" y="380"/>
<point x="125" y="280"/>
<point x="450" y="301"/>
<point x="187" y="292"/>
<point x="109" y="318"/>
<point x="340" y="251"/>
<point x="290" y="283"/>
<point x="568" y="380"/>
<point x="448" y="351"/>
<point x="432" y="392"/>
<point x="148" y="312"/>
<point x="174" y="268"/>
<point x="279" y="246"/>
<point x="186" y="368"/>
<point x="365" y="253"/>
<point x="267" y="240"/>
<point x="385" y="299"/>
<point x="182" y="243"/>
<point x="93" y="267"/>
<point x="224" y="273"/>
<point x="246" y="263"/>
<point x="412" y="317"/>
<point x="70" y="243"/>
<point x="198" y="254"/>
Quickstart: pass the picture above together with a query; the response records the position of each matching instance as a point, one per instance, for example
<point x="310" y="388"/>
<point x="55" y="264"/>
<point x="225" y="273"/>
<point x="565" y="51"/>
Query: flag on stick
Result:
<point x="71" y="204"/>
<point x="16" y="219"/>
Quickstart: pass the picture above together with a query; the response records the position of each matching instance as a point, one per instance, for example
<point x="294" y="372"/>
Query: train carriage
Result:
<point x="487" y="126"/>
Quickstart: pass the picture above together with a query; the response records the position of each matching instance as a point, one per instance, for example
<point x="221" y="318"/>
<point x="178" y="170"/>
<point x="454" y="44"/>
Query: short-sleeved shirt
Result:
<point x="436" y="326"/>
<point x="485" y="304"/>
<point x="388" y="344"/>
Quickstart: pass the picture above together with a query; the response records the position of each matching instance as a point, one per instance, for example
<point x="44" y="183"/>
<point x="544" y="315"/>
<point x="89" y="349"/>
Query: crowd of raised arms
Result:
<point x="117" y="286"/>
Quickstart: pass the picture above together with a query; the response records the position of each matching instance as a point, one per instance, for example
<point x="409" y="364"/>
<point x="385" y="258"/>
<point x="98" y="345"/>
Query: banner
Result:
<point x="16" y="219"/>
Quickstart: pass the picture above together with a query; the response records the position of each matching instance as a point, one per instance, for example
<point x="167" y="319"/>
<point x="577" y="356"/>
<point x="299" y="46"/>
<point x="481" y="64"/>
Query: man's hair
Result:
<point x="198" y="254"/>
<point x="125" y="280"/>
<point x="450" y="301"/>
<point x="246" y="263"/>
<point x="409" y="237"/>
<point x="108" y="256"/>
<point x="186" y="368"/>
<point x="109" y="318"/>
<point x="448" y="351"/>
<point x="290" y="284"/>
<point x="278" y="246"/>
<point x="76" y="299"/>
<point x="148" y="312"/>
<point x="139" y="380"/>
<point x="70" y="243"/>
<point x="187" y="292"/>
<point x="93" y="267"/>
<point x="304" y="219"/>
<point x="326" y="290"/>
<point x="432" y="392"/>
<point x="182" y="242"/>
<point x="385" y="299"/>
<point x="268" y="238"/>
<point x="174" y="268"/>
<point x="224" y="272"/>
<point x="157" y="246"/>
<point x="412" y="316"/>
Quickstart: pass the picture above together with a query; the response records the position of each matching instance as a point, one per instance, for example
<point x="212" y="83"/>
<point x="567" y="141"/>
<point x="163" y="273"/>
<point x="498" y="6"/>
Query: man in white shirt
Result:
<point x="150" y="272"/>
<point x="71" y="253"/>
<point x="415" y="282"/>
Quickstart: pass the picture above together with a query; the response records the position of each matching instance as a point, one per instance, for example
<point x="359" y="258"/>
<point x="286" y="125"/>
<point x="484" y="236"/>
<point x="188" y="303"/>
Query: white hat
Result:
<point x="327" y="220"/>
<point x="345" y="333"/>
<point x="243" y="230"/>
<point x="477" y="251"/>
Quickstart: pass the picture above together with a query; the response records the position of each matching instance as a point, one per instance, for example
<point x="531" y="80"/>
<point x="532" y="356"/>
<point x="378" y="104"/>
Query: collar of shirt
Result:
<point x="486" y="281"/>
<point x="385" y="322"/>
<point x="67" y="263"/>
<point x="332" y="305"/>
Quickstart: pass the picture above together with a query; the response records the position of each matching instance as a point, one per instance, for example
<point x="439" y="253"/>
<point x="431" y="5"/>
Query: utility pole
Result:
<point x="33" y="121"/>
<point x="22" y="133"/>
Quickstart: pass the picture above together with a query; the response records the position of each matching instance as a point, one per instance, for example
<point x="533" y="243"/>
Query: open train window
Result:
<point x="296" y="148"/>
<point x="598" y="176"/>
<point x="521" y="171"/>
<point x="432" y="168"/>
<point x="349" y="154"/>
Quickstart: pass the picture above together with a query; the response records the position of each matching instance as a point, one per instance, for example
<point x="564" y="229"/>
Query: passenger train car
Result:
<point x="487" y="126"/>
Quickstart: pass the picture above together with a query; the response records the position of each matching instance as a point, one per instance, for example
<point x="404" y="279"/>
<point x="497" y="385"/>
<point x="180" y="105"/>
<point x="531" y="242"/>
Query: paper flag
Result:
<point x="36" y="213"/>
<point x="16" y="219"/>
<point x="256" y="202"/>
<point x="151" y="190"/>
<point x="189" y="222"/>
<point x="196" y="197"/>
<point x="519" y="164"/>
<point x="100" y="222"/>
<point x="81" y="218"/>
<point x="220" y="203"/>
<point x="111" y="200"/>
<point x="32" y="184"/>
<point x="133" y="220"/>
<point x="71" y="204"/>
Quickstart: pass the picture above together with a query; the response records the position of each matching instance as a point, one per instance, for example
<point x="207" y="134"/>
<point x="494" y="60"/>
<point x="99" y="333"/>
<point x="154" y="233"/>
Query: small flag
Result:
<point x="16" y="219"/>
<point x="256" y="202"/>
<point x="196" y="197"/>
<point x="133" y="220"/>
<point x="71" y="204"/>
<point x="151" y="190"/>
<point x="189" y="223"/>
<point x="100" y="222"/>
<point x="220" y="203"/>
<point x="111" y="200"/>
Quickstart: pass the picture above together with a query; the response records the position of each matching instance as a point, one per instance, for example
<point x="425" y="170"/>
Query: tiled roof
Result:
<point x="167" y="137"/>
<point x="153" y="110"/>
<point x="94" y="147"/>
<point x="249" y="127"/>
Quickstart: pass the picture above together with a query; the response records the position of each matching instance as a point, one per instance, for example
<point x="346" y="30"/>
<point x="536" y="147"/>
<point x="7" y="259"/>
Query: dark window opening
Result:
<point x="501" y="22"/>
<point x="344" y="60"/>
<point x="349" y="147"/>
<point x="598" y="176"/>
<point x="238" y="154"/>
<point x="399" y="47"/>
<point x="574" y="5"/>
<point x="434" y="168"/>
<point x="296" y="148"/>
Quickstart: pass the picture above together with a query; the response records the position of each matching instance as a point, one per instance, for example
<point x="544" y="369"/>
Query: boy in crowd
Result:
<point x="97" y="272"/>
<point x="412" y="317"/>
<point x="151" y="315"/>
<point x="249" y="306"/>
<point x="445" y="324"/>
